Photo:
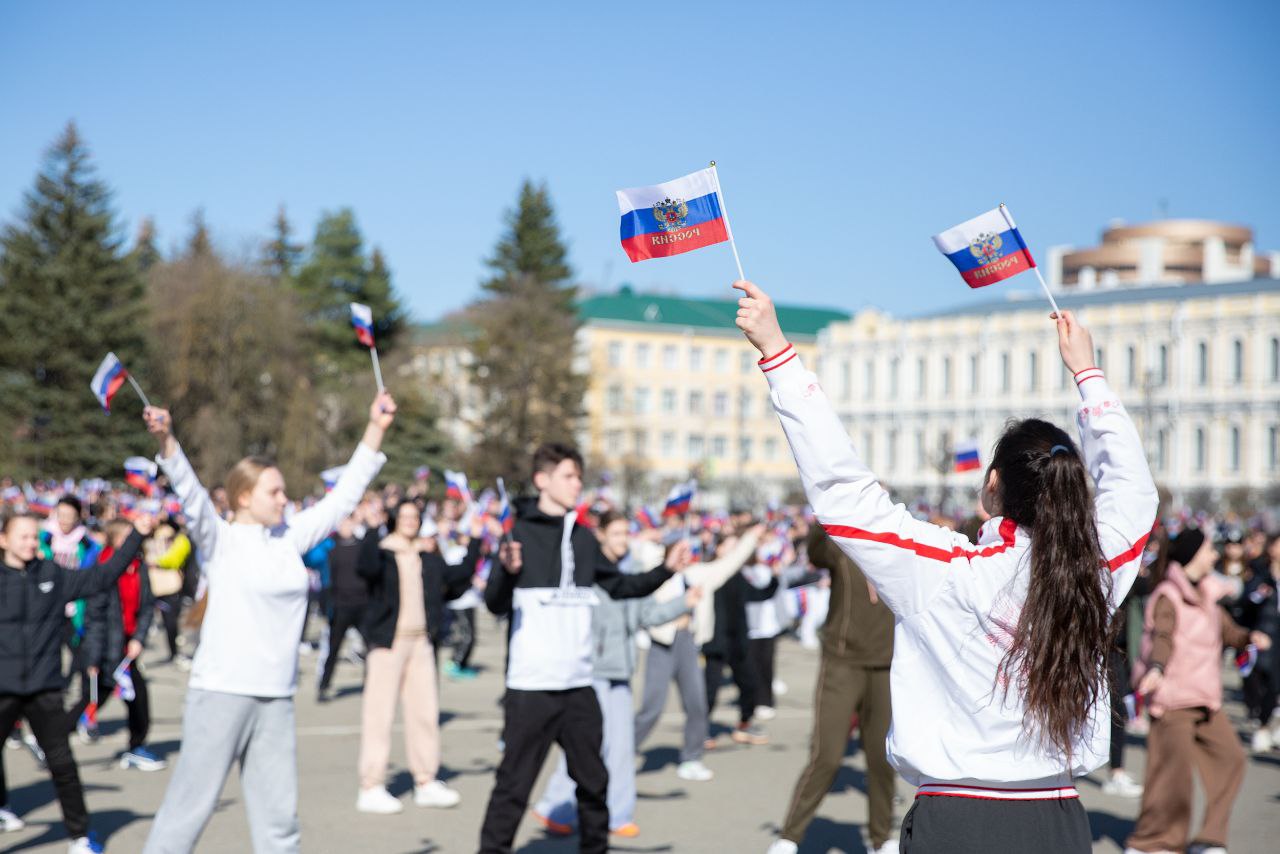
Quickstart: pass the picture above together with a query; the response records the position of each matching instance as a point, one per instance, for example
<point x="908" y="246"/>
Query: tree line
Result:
<point x="254" y="353"/>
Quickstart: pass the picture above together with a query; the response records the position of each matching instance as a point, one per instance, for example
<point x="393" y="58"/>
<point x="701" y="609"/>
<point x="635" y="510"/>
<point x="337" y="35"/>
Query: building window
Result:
<point x="1162" y="369"/>
<point x="891" y="451"/>
<point x="946" y="375"/>
<point x="1237" y="361"/>
<point x="615" y="354"/>
<point x="744" y="403"/>
<point x="670" y="361"/>
<point x="869" y="379"/>
<point x="613" y="399"/>
<point x="720" y="404"/>
<point x="771" y="449"/>
<point x="1162" y="449"/>
<point x="668" y="444"/>
<point x="1202" y="363"/>
<point x="695" y="358"/>
<point x="640" y="443"/>
<point x="697" y="447"/>
<point x="893" y="376"/>
<point x="846" y="380"/>
<point x="868" y="447"/>
<point x="669" y="401"/>
<point x="1004" y="371"/>
<point x="973" y="373"/>
<point x="1234" y="449"/>
<point x="1100" y="359"/>
<point x="767" y="400"/>
<point x="922" y="456"/>
<point x="745" y="361"/>
<point x="695" y="403"/>
<point x="921" y="377"/>
<point x="1033" y="370"/>
<point x="722" y="360"/>
<point x="744" y="449"/>
<point x="1273" y="448"/>
<point x="1202" y="460"/>
<point x="642" y="400"/>
<point x="719" y="447"/>
<point x="642" y="356"/>
<point x="1131" y="366"/>
<point x="613" y="443"/>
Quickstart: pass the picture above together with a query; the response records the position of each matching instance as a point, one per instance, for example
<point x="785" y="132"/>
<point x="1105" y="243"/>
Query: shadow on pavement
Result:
<point x="1104" y="825"/>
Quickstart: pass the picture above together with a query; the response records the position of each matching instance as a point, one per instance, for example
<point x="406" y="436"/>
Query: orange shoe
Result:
<point x="630" y="830"/>
<point x="553" y="828"/>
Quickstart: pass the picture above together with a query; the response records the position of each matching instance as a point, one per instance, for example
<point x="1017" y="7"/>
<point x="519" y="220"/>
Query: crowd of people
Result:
<point x="1056" y="617"/>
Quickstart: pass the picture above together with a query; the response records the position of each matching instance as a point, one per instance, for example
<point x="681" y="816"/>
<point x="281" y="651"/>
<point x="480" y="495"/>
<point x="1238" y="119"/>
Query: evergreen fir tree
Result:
<point x="281" y="254"/>
<point x="68" y="295"/>
<point x="524" y="344"/>
<point x="144" y="253"/>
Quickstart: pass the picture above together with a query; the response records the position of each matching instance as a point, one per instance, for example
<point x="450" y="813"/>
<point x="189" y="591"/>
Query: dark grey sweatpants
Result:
<point x="680" y="660"/>
<point x="949" y="825"/>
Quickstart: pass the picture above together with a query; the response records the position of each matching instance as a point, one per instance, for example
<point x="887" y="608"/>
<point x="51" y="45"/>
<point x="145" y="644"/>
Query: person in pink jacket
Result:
<point x="1180" y="674"/>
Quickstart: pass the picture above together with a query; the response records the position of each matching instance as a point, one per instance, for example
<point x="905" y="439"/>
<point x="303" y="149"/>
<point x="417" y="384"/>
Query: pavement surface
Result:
<point x="739" y="811"/>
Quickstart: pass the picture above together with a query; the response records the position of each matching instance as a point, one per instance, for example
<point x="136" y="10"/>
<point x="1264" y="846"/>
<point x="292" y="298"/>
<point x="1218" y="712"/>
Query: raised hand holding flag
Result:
<point x="110" y="376"/>
<point x="989" y="249"/>
<point x="362" y="320"/>
<point x="675" y="216"/>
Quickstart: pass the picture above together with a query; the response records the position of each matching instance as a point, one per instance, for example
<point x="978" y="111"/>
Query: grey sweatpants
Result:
<point x="680" y="660"/>
<point x="218" y="729"/>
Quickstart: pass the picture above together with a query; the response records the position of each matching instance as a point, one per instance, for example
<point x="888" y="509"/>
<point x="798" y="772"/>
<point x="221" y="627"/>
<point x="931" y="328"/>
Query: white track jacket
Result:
<point x="956" y="603"/>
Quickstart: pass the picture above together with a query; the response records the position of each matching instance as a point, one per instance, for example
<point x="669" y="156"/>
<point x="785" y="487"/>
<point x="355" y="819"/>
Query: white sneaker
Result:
<point x="9" y="820"/>
<point x="694" y="771"/>
<point x="1261" y="741"/>
<point x="84" y="845"/>
<point x="378" y="801"/>
<point x="1121" y="785"/>
<point x="783" y="846"/>
<point x="765" y="713"/>
<point x="436" y="794"/>
<point x="890" y="846"/>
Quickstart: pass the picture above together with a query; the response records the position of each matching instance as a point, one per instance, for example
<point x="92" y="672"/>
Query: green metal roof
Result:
<point x="625" y="306"/>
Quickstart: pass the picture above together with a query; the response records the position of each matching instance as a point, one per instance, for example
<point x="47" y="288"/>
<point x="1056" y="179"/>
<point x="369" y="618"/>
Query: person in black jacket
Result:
<point x="409" y="584"/>
<point x="33" y="597"/>
<point x="1260" y="611"/>
<point x="116" y="624"/>
<point x="349" y="590"/>
<point x="548" y="568"/>
<point x="729" y="646"/>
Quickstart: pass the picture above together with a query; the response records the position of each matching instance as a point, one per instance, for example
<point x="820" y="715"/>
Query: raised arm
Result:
<point x="712" y="575"/>
<point x="77" y="584"/>
<point x="312" y="525"/>
<point x="203" y="521"/>
<point x="908" y="560"/>
<point x="1125" y="501"/>
<point x="620" y="586"/>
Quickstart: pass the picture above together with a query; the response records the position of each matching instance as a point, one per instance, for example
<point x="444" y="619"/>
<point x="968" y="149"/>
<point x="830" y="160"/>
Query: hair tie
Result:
<point x="1059" y="449"/>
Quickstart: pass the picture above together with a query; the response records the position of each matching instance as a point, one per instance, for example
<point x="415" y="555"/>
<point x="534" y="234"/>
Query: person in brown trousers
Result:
<point x="853" y="678"/>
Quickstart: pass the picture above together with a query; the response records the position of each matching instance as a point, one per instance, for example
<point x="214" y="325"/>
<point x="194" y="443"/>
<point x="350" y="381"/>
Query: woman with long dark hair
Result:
<point x="999" y="678"/>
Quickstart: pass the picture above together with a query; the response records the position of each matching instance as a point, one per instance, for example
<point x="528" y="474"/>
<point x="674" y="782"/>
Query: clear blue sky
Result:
<point x="846" y="133"/>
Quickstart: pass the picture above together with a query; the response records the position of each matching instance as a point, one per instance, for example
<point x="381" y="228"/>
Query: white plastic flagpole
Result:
<point x="377" y="369"/>
<point x="1004" y="212"/>
<point x="724" y="209"/>
<point x="137" y="388"/>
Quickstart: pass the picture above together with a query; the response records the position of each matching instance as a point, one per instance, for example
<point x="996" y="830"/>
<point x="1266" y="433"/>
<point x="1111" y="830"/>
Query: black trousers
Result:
<point x="1260" y="694"/>
<point x="464" y="635"/>
<point x="1118" y="674"/>
<point x="341" y="618"/>
<point x="170" y="608"/>
<point x="139" y="707"/>
<point x="533" y="720"/>
<point x="48" y="722"/>
<point x="744" y="676"/>
<point x="949" y="825"/>
<point x="762" y="652"/>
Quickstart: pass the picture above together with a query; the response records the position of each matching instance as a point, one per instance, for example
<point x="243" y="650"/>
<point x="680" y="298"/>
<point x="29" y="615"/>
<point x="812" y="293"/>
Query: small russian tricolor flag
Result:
<point x="456" y="487"/>
<point x="680" y="499"/>
<point x="505" y="517"/>
<point x="107" y="381"/>
<point x="967" y="458"/>
<point x="674" y="217"/>
<point x="647" y="518"/>
<point x="140" y="473"/>
<point x="1247" y="659"/>
<point x="986" y="249"/>
<point x="362" y="320"/>
<point x="330" y="477"/>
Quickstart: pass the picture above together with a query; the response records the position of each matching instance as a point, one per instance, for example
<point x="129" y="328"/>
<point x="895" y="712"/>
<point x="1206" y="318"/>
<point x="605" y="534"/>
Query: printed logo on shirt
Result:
<point x="45" y="586"/>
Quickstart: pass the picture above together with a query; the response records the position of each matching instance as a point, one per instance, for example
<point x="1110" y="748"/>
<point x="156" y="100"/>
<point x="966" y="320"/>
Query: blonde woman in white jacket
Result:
<point x="673" y="653"/>
<point x="239" y="704"/>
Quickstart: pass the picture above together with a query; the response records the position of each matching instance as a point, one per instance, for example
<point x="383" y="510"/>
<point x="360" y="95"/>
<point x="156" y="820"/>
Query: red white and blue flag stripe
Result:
<point x="140" y="473"/>
<point x="986" y="249"/>
<point x="647" y="518"/>
<point x="672" y="217"/>
<point x="680" y="499"/>
<point x="107" y="381"/>
<point x="362" y="320"/>
<point x="330" y="477"/>
<point x="967" y="457"/>
<point x="456" y="487"/>
<point x="505" y="517"/>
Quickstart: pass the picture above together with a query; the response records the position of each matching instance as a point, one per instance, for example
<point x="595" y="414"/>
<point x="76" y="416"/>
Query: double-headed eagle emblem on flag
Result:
<point x="986" y="246"/>
<point x="670" y="213"/>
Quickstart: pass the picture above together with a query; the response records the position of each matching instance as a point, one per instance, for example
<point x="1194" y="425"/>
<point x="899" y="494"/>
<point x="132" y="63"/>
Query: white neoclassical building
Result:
<point x="1196" y="364"/>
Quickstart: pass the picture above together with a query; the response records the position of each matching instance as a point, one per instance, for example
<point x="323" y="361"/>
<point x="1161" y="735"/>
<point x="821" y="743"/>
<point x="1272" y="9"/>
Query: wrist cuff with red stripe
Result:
<point x="1088" y="374"/>
<point x="777" y="360"/>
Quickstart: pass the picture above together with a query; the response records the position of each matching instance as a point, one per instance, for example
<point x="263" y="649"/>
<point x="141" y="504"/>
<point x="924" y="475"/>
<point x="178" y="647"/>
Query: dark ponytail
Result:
<point x="1057" y="659"/>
